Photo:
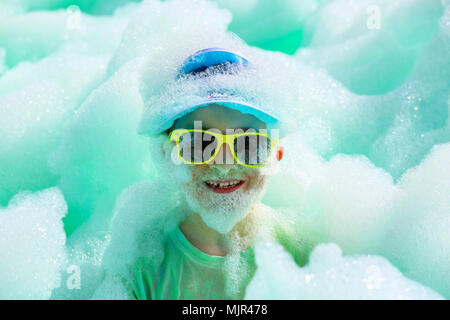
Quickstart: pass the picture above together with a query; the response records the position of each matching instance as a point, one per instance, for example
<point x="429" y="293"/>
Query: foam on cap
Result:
<point x="259" y="84"/>
<point x="269" y="82"/>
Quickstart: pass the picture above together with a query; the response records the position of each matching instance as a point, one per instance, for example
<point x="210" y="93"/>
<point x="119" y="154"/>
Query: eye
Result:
<point x="252" y="149"/>
<point x="197" y="146"/>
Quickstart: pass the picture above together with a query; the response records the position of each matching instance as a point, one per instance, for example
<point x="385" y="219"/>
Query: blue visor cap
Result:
<point x="208" y="58"/>
<point x="224" y="61"/>
<point x="236" y="105"/>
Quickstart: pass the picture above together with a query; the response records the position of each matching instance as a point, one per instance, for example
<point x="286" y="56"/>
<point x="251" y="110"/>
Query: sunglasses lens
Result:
<point x="252" y="149"/>
<point x="197" y="147"/>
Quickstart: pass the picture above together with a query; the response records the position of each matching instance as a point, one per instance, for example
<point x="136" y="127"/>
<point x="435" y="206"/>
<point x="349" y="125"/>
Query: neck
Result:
<point x="213" y="242"/>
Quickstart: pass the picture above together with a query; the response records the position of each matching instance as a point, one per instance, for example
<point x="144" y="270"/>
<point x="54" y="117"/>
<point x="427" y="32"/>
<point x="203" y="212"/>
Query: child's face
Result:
<point x="220" y="206"/>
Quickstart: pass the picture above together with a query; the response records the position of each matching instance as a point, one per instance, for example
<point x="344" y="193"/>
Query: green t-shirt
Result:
<point x="188" y="273"/>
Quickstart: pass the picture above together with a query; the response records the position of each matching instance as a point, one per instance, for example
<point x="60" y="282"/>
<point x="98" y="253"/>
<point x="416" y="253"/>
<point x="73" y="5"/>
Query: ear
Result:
<point x="280" y="153"/>
<point x="162" y="141"/>
<point x="162" y="150"/>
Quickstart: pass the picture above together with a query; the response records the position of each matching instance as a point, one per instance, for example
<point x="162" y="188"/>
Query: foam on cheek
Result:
<point x="181" y="172"/>
<point x="271" y="167"/>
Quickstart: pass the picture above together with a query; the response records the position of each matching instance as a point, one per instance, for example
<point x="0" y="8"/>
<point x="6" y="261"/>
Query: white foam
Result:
<point x="375" y="38"/>
<point x="32" y="245"/>
<point x="346" y="200"/>
<point x="329" y="275"/>
<point x="53" y="76"/>
<point x="418" y="240"/>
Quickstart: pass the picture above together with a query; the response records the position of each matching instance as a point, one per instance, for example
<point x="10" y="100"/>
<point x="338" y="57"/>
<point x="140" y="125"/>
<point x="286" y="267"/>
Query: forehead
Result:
<point x="219" y="117"/>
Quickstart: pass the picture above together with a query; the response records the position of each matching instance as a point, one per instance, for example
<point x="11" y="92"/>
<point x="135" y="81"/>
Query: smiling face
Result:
<point x="222" y="194"/>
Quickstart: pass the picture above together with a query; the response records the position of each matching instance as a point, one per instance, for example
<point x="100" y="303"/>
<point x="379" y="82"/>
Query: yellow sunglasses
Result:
<point x="250" y="149"/>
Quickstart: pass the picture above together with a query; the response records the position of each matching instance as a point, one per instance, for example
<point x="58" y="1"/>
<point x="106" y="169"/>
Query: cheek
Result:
<point x="181" y="174"/>
<point x="255" y="181"/>
<point x="196" y="180"/>
<point x="195" y="175"/>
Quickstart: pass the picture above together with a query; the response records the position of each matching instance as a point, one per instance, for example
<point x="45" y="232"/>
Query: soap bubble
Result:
<point x="365" y="168"/>
<point x="422" y="119"/>
<point x="32" y="245"/>
<point x="30" y="119"/>
<point x="418" y="238"/>
<point x="329" y="275"/>
<point x="346" y="200"/>
<point x="40" y="94"/>
<point x="339" y="40"/>
<point x="272" y="25"/>
<point x="100" y="153"/>
<point x="138" y="232"/>
<point x="99" y="7"/>
<point x="2" y="60"/>
<point x="406" y="222"/>
<point x="36" y="35"/>
<point x="395" y="129"/>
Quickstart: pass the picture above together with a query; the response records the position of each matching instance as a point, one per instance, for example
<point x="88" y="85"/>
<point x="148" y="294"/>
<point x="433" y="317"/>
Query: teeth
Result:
<point x="223" y="184"/>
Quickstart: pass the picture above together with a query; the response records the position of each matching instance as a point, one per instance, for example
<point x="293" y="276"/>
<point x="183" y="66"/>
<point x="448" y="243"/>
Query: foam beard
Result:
<point x="220" y="212"/>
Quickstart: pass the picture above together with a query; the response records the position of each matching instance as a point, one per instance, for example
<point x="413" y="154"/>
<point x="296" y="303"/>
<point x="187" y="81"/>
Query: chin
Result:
<point x="222" y="209"/>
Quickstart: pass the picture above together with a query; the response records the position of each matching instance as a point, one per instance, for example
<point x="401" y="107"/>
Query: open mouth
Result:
<point x="224" y="186"/>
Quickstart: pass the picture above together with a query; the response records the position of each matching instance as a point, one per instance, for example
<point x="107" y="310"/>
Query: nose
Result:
<point x="224" y="156"/>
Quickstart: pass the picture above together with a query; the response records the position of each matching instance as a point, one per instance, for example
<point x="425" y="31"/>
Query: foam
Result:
<point x="100" y="7"/>
<point x="32" y="243"/>
<point x="100" y="153"/>
<point x="30" y="120"/>
<point x="418" y="238"/>
<point x="349" y="201"/>
<point x="2" y="60"/>
<point x="395" y="128"/>
<point x="268" y="24"/>
<point x="138" y="232"/>
<point x="329" y="275"/>
<point x="353" y="174"/>
<point x="422" y="119"/>
<point x="340" y="200"/>
<point x="35" y="35"/>
<point x="340" y="35"/>
<point x="44" y="82"/>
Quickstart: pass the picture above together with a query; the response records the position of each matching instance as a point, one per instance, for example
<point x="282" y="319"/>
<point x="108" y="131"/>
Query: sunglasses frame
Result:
<point x="228" y="139"/>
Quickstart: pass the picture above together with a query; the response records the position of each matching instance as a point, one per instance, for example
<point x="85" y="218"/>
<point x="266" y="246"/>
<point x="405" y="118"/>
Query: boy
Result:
<point x="218" y="152"/>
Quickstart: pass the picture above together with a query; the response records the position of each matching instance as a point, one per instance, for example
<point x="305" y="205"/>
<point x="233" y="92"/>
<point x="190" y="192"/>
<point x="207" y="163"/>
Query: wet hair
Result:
<point x="168" y="131"/>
